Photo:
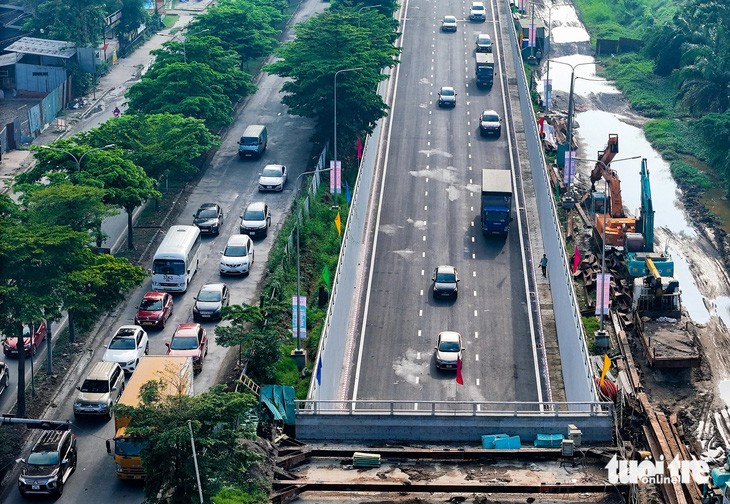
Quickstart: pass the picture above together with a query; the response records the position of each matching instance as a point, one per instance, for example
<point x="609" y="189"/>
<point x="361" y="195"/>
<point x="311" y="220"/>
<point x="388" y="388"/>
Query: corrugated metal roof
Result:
<point x="9" y="59"/>
<point x="43" y="47"/>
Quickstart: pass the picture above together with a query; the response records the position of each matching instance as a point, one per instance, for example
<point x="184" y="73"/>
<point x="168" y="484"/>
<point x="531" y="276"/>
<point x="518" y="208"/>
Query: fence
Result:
<point x="577" y="373"/>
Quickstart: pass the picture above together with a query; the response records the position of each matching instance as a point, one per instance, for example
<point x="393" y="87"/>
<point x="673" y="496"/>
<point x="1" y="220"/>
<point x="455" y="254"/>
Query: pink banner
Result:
<point x="338" y="178"/>
<point x="332" y="177"/>
<point x="569" y="168"/>
<point x="603" y="296"/>
<point x="532" y="35"/>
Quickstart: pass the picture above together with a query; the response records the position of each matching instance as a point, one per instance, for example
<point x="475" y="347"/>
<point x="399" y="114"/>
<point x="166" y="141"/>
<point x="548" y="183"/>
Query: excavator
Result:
<point x="609" y="208"/>
<point x="640" y="246"/>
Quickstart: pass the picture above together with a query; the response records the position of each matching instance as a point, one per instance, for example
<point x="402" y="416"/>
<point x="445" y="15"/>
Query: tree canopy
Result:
<point x="220" y="422"/>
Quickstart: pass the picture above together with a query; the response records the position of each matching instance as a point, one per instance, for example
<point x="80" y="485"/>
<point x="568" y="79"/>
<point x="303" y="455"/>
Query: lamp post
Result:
<point x="335" y="104"/>
<point x="78" y="159"/>
<point x="195" y="461"/>
<point x="601" y="332"/>
<point x="185" y="51"/>
<point x="549" y="46"/>
<point x="298" y="354"/>
<point x="361" y="9"/>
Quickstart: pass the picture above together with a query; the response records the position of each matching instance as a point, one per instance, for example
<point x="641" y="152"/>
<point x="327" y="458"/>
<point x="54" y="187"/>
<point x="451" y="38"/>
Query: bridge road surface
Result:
<point x="232" y="183"/>
<point x="430" y="216"/>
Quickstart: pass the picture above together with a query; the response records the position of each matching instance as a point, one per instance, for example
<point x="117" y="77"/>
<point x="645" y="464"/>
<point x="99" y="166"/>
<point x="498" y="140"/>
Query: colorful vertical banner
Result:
<point x="338" y="177"/>
<point x="569" y="167"/>
<point x="347" y="192"/>
<point x="548" y="92"/>
<point x="459" y="377"/>
<point x="576" y="259"/>
<point x="332" y="177"/>
<point x="532" y="34"/>
<point x="326" y="277"/>
<point x="302" y="317"/>
<point x="359" y="148"/>
<point x="603" y="284"/>
<point x="606" y="365"/>
<point x="338" y="224"/>
<point x="319" y="371"/>
<point x="522" y="5"/>
<point x="114" y="57"/>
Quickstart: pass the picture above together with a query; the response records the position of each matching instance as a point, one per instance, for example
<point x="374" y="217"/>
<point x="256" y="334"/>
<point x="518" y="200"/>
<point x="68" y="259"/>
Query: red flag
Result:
<point x="459" y="378"/>
<point x="541" y="122"/>
<point x="576" y="259"/>
<point x="359" y="148"/>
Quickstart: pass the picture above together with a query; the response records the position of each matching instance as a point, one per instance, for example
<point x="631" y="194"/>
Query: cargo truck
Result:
<point x="176" y="377"/>
<point x="496" y="208"/>
<point x="485" y="69"/>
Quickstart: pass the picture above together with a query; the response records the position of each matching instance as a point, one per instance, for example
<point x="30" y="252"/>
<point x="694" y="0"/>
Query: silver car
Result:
<point x="273" y="178"/>
<point x="237" y="257"/>
<point x="448" y="350"/>
<point x="101" y="390"/>
<point x="256" y="219"/>
<point x="448" y="24"/>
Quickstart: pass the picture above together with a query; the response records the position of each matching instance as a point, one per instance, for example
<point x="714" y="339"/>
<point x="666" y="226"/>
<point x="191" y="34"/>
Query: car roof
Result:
<point x="481" y="36"/>
<point x="49" y="441"/>
<point x="127" y="331"/>
<point x="102" y="371"/>
<point x="449" y="18"/>
<point x="449" y="336"/>
<point x="445" y="268"/>
<point x="238" y="239"/>
<point x="188" y="329"/>
<point x="154" y="295"/>
<point x="217" y="286"/>
<point x="208" y="205"/>
<point x="273" y="166"/>
<point x="477" y="4"/>
<point x="447" y="88"/>
<point x="256" y="205"/>
<point x="491" y="112"/>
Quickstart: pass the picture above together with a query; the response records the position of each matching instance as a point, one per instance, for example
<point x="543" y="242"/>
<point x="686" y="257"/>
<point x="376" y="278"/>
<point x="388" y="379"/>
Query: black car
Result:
<point x="50" y="463"/>
<point x="445" y="282"/>
<point x="490" y="123"/>
<point x="209" y="218"/>
<point x="210" y="300"/>
<point x="447" y="97"/>
<point x="4" y="376"/>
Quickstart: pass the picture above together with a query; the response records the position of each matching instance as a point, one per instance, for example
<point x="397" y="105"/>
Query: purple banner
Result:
<point x="603" y="296"/>
<point x="569" y="168"/>
<point x="548" y="92"/>
<point x="338" y="178"/>
<point x="532" y="35"/>
<point x="332" y="177"/>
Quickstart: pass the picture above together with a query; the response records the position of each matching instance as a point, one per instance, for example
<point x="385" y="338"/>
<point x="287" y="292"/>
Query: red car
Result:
<point x="189" y="340"/>
<point x="154" y="310"/>
<point x="10" y="345"/>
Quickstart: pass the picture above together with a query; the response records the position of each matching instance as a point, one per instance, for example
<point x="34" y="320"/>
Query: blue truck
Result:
<point x="496" y="207"/>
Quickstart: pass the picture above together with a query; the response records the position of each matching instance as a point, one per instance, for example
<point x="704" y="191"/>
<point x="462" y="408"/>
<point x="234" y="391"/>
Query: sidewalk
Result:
<point x="109" y="92"/>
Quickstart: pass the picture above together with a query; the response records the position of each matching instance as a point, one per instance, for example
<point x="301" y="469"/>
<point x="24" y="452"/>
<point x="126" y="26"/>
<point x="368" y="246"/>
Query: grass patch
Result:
<point x="689" y="178"/>
<point x="230" y="495"/>
<point x="170" y="20"/>
<point x="650" y="94"/>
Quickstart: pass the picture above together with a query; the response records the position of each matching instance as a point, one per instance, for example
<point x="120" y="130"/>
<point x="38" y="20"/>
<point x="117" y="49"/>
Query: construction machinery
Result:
<point x="639" y="255"/>
<point x="607" y="207"/>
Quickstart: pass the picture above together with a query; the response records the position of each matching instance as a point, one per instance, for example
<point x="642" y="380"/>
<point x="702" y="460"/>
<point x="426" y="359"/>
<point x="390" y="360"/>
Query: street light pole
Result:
<point x="195" y="460"/>
<point x="335" y="104"/>
<point x="77" y="159"/>
<point x="361" y="9"/>
<point x="601" y="331"/>
<point x="549" y="47"/>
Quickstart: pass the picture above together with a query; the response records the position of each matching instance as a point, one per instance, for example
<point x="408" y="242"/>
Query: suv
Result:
<point x="127" y="347"/>
<point x="209" y="218"/>
<point x="101" y="390"/>
<point x="256" y="219"/>
<point x="477" y="12"/>
<point x="237" y="257"/>
<point x="50" y="463"/>
<point x="484" y="43"/>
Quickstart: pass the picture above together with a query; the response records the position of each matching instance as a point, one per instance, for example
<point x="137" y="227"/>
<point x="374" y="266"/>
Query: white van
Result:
<point x="176" y="259"/>
<point x="253" y="142"/>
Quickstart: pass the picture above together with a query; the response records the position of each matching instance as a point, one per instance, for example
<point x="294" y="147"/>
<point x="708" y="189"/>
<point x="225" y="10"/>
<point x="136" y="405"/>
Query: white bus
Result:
<point x="176" y="259"/>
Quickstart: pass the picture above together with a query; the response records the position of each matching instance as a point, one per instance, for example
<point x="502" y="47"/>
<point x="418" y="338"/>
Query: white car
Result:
<point x="448" y="24"/>
<point x="477" y="12"/>
<point x="127" y="347"/>
<point x="448" y="350"/>
<point x="273" y="178"/>
<point x="237" y="257"/>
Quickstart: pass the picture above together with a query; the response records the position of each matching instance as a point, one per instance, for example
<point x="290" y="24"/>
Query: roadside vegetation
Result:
<point x="679" y="77"/>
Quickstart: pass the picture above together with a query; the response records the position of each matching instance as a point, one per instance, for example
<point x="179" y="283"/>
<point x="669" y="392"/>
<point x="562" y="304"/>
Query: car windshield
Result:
<point x="184" y="343"/>
<point x="128" y="447"/>
<point x="95" y="386"/>
<point x="250" y="141"/>
<point x="43" y="458"/>
<point x="449" y="19"/>
<point x="271" y="172"/>
<point x="253" y="215"/>
<point x="207" y="214"/>
<point x="447" y="92"/>
<point x="235" y="251"/>
<point x="496" y="217"/>
<point x="490" y="118"/>
<point x="168" y="267"/>
<point x="151" y="305"/>
<point x="445" y="278"/>
<point x="121" y="344"/>
<point x="449" y="346"/>
<point x="209" y="296"/>
<point x="477" y="7"/>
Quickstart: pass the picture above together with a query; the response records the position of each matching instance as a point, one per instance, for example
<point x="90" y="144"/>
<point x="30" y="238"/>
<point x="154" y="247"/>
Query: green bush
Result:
<point x="229" y="495"/>
<point x="689" y="178"/>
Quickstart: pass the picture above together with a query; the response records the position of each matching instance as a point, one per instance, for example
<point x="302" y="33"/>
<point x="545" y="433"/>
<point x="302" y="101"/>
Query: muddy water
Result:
<point x="600" y="111"/>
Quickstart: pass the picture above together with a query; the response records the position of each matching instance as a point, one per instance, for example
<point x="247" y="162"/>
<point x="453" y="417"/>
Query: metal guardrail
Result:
<point x="452" y="408"/>
<point x="577" y="371"/>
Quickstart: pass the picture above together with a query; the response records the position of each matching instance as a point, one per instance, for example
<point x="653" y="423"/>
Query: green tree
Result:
<point x="81" y="208"/>
<point x="160" y="143"/>
<point x="207" y="50"/>
<point x="247" y="27"/>
<point x="77" y="21"/>
<point x="219" y="422"/>
<point x="191" y="90"/>
<point x="248" y="330"/>
<point x="312" y="65"/>
<point x="134" y="15"/>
